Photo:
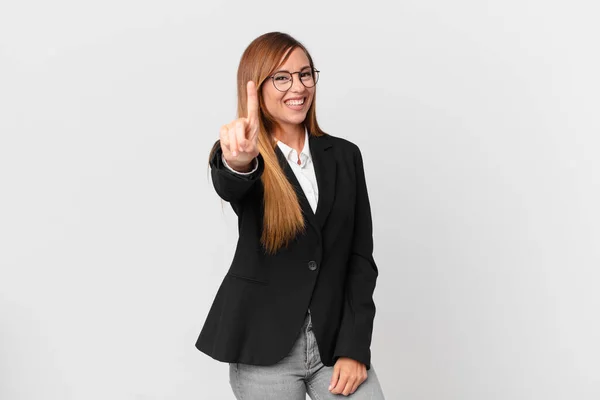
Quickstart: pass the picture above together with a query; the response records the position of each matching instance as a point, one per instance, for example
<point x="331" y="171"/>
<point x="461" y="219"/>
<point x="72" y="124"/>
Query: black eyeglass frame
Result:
<point x="272" y="77"/>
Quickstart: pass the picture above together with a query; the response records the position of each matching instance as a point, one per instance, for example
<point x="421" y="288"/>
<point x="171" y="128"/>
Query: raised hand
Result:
<point x="239" y="138"/>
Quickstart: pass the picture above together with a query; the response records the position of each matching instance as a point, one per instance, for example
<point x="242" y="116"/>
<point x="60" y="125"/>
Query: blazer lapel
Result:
<point x="325" y="171"/>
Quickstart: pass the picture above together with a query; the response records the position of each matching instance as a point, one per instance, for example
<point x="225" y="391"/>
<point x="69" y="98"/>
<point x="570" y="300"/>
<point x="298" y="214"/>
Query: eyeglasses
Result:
<point x="284" y="80"/>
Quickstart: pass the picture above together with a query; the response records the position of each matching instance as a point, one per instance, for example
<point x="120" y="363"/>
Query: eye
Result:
<point x="281" y="78"/>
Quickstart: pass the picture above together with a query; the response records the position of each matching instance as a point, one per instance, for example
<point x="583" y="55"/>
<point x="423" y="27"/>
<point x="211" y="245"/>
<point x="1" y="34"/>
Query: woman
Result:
<point x="294" y="313"/>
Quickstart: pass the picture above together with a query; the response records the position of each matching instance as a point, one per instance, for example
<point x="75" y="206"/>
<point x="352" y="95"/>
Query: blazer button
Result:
<point x="312" y="265"/>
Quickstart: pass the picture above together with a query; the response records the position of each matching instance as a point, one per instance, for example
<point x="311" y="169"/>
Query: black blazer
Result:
<point x="261" y="304"/>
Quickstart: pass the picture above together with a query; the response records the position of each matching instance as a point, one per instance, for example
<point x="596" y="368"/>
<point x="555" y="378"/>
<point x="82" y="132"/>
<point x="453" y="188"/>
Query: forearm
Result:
<point x="233" y="186"/>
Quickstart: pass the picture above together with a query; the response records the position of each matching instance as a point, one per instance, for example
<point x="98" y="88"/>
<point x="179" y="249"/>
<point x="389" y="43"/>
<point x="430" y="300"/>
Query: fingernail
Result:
<point x="329" y="388"/>
<point x="233" y="153"/>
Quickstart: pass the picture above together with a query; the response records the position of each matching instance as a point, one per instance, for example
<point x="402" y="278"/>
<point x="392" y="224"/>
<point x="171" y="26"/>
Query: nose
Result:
<point x="297" y="86"/>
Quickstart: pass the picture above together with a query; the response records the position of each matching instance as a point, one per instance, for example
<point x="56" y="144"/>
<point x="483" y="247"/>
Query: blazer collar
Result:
<point x="325" y="171"/>
<point x="304" y="154"/>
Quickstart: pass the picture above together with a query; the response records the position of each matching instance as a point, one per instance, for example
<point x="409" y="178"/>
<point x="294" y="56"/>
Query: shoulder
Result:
<point x="343" y="145"/>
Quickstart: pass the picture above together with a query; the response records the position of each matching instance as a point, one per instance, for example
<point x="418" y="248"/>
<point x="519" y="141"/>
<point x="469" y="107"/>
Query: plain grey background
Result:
<point x="478" y="122"/>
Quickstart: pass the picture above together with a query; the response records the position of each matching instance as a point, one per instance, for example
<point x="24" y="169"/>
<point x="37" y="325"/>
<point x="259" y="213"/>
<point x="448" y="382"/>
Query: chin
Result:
<point x="294" y="120"/>
<point x="298" y="120"/>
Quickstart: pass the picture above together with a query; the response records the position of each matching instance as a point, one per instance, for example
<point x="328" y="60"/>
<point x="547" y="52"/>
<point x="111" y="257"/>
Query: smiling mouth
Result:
<point x="296" y="103"/>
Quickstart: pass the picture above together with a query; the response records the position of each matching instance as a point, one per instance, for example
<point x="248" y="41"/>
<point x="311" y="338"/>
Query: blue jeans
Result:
<point x="299" y="373"/>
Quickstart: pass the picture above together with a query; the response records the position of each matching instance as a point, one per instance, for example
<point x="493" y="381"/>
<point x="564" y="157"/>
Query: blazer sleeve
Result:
<point x="230" y="186"/>
<point x="354" y="337"/>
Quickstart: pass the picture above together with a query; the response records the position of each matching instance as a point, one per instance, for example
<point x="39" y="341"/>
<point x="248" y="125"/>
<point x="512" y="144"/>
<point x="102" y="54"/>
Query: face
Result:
<point x="290" y="107"/>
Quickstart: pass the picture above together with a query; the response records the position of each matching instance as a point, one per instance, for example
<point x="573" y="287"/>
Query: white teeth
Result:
<point x="295" y="102"/>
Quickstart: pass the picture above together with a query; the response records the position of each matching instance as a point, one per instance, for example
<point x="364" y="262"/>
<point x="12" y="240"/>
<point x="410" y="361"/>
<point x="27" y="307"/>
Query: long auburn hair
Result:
<point x="282" y="220"/>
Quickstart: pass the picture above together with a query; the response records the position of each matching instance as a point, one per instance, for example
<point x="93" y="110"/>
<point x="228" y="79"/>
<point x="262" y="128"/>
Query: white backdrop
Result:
<point x="478" y="123"/>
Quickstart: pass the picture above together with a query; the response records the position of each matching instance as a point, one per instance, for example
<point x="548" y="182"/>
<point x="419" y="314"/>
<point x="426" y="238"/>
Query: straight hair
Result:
<point x="283" y="219"/>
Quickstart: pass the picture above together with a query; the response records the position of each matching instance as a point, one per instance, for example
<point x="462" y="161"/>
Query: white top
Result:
<point x="302" y="166"/>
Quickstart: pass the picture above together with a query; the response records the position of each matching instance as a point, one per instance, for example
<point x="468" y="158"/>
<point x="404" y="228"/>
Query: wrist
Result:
<point x="241" y="168"/>
<point x="237" y="167"/>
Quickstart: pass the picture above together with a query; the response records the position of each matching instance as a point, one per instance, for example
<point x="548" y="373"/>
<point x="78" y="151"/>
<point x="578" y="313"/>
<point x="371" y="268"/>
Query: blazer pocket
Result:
<point x="248" y="278"/>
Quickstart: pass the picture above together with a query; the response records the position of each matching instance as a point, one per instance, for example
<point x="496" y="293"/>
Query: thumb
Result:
<point x="334" y="377"/>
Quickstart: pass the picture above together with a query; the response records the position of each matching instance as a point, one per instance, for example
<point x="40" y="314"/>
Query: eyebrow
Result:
<point x="285" y="70"/>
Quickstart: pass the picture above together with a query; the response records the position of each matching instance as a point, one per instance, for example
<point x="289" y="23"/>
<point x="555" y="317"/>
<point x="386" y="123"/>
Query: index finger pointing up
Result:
<point x="252" y="101"/>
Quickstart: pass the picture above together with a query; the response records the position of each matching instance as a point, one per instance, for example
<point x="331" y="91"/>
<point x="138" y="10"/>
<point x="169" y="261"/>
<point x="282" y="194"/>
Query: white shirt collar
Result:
<point x="290" y="153"/>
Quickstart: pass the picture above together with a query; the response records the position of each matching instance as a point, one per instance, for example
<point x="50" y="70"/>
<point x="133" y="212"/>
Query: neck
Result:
<point x="292" y="135"/>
